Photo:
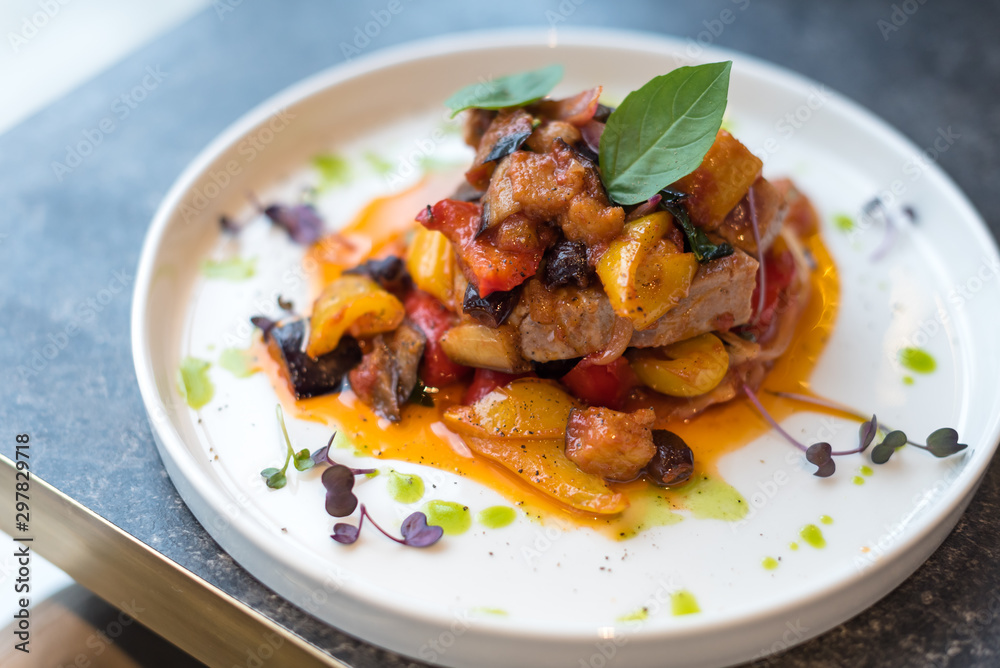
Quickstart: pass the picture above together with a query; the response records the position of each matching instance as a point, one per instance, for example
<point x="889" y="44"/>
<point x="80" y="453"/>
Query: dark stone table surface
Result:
<point x="69" y="248"/>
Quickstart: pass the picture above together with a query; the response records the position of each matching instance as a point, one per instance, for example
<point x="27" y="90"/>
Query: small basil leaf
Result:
<point x="703" y="249"/>
<point x="662" y="131"/>
<point x="509" y="91"/>
<point x="944" y="442"/>
<point x="883" y="451"/>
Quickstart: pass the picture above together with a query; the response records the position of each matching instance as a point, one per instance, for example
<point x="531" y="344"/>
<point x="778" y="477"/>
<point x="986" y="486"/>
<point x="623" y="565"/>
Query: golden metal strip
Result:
<point x="199" y="618"/>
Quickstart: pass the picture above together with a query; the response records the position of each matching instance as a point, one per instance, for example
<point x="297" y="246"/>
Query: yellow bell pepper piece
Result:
<point x="524" y="408"/>
<point x="543" y="464"/>
<point x="643" y="275"/>
<point x="684" y="369"/>
<point x="431" y="262"/>
<point x="353" y="304"/>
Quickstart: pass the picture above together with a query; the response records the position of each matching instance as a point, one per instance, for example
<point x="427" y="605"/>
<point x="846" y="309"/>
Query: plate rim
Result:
<point x="173" y="449"/>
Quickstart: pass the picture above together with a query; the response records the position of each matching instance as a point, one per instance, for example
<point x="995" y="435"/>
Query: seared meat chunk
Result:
<point x="569" y="322"/>
<point x="558" y="186"/>
<point x="564" y="323"/>
<point x="719" y="298"/>
<point x="613" y="445"/>
<point x="737" y="228"/>
<point x="388" y="372"/>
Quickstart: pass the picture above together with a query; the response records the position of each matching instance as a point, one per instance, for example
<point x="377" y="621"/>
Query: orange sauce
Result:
<point x="421" y="438"/>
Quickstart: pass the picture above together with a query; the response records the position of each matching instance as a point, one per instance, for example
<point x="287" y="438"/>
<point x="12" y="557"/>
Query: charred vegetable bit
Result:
<point x="673" y="463"/>
<point x="493" y="310"/>
<point x="387" y="375"/>
<point x="616" y="446"/>
<point x="275" y="478"/>
<point x="940" y="443"/>
<point x="302" y="222"/>
<point x="565" y="263"/>
<point x="389" y="272"/>
<point x="414" y="529"/>
<point x="555" y="369"/>
<point x="309" y="377"/>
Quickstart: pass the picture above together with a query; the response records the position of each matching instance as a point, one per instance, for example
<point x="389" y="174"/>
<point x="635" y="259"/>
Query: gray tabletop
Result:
<point x="70" y="240"/>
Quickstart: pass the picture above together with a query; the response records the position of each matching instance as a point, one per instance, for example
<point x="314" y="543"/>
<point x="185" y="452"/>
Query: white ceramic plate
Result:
<point x="564" y="592"/>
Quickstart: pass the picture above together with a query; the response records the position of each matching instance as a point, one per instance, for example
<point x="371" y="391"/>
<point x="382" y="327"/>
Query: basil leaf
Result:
<point x="662" y="131"/>
<point x="704" y="250"/>
<point x="509" y="91"/>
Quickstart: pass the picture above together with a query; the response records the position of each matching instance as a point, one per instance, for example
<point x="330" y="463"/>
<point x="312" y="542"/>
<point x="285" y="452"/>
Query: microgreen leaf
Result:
<point x="301" y="221"/>
<point x="346" y="533"/>
<point x="508" y="91"/>
<point x="303" y="462"/>
<point x="867" y="432"/>
<point x="821" y="454"/>
<point x="662" y="131"/>
<point x="275" y="479"/>
<point x="417" y="533"/>
<point x="704" y="250"/>
<point x="944" y="442"/>
<point x="421" y="395"/>
<point x="883" y="451"/>
<point x="339" y="483"/>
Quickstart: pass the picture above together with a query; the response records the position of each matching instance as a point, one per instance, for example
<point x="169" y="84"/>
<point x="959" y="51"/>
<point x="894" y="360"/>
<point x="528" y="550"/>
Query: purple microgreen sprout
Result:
<point x="415" y="530"/>
<point x="275" y="478"/>
<point x="941" y="442"/>
<point x="339" y="483"/>
<point x="882" y="451"/>
<point x="876" y="208"/>
<point x="767" y="416"/>
<point x="821" y="454"/>
<point x="301" y="221"/>
<point x="761" y="273"/>
<point x="322" y="456"/>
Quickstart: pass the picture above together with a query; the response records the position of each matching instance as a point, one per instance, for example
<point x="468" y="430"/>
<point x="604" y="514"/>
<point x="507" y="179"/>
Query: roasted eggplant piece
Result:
<point x="388" y="372"/>
<point x="673" y="462"/>
<point x="555" y="369"/>
<point x="389" y="272"/>
<point x="310" y="377"/>
<point x="565" y="263"/>
<point x="493" y="310"/>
